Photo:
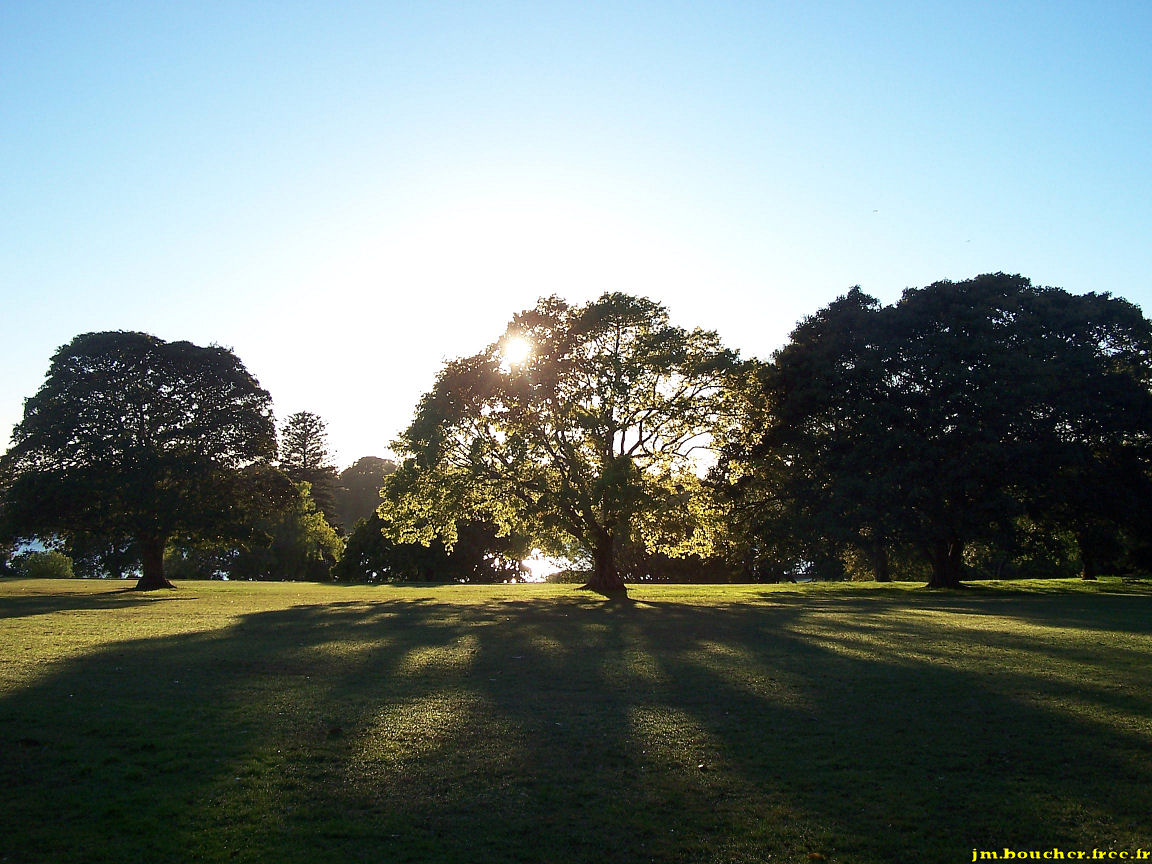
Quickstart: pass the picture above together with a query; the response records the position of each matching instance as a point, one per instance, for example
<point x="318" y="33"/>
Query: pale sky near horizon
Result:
<point x="347" y="194"/>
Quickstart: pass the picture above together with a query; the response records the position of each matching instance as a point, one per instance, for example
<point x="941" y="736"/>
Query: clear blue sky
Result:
<point x="349" y="193"/>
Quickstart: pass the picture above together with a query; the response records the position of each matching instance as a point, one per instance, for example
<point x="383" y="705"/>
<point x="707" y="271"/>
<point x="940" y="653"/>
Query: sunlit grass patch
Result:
<point x="452" y="658"/>
<point x="420" y="728"/>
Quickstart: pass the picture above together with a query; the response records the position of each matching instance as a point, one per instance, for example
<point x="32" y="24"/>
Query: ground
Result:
<point x="537" y="723"/>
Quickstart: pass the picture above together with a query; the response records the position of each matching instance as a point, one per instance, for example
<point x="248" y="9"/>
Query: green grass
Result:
<point x="306" y="723"/>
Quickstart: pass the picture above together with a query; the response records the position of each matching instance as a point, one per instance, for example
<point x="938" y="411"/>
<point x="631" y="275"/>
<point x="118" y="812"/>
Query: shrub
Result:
<point x="43" y="565"/>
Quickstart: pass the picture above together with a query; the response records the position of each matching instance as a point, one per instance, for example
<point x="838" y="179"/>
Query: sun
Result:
<point x="516" y="350"/>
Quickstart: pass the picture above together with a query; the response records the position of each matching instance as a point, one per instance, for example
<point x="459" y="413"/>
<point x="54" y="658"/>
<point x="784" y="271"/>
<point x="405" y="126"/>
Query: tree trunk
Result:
<point x="878" y="557"/>
<point x="947" y="557"/>
<point x="605" y="575"/>
<point x="1089" y="559"/>
<point x="152" y="564"/>
<point x="1089" y="568"/>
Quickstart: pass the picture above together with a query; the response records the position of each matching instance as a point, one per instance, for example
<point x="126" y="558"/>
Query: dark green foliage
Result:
<point x="134" y="437"/>
<point x="200" y="560"/>
<point x="291" y="543"/>
<point x="639" y="565"/>
<point x="97" y="557"/>
<point x="296" y="543"/>
<point x="304" y="444"/>
<point x="304" y="457"/>
<point x="357" y="490"/>
<point x="1030" y="551"/>
<point x="950" y="421"/>
<point x="45" y="564"/>
<point x="478" y="556"/>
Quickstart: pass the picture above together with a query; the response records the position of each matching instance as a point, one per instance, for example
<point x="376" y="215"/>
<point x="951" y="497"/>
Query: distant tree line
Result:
<point x="984" y="428"/>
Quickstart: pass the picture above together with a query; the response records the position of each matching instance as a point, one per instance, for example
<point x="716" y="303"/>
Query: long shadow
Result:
<point x="573" y="730"/>
<point x="119" y="594"/>
<point x="939" y="753"/>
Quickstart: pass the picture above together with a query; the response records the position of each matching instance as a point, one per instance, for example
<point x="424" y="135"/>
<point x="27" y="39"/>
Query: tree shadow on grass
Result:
<point x="567" y="729"/>
<point x="38" y="601"/>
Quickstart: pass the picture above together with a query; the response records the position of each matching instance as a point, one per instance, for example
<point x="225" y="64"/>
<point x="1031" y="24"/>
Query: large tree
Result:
<point x="582" y="423"/>
<point x="1092" y="436"/>
<point x="134" y="438"/>
<point x="950" y="416"/>
<point x="805" y="485"/>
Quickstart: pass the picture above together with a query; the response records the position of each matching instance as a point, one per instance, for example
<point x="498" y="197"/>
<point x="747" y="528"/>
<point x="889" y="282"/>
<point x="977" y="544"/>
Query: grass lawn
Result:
<point x="307" y="723"/>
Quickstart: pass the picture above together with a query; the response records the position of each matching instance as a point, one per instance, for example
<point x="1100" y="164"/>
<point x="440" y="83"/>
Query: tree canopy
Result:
<point x="581" y="424"/>
<point x="358" y="490"/>
<point x="132" y="437"/>
<point x="951" y="418"/>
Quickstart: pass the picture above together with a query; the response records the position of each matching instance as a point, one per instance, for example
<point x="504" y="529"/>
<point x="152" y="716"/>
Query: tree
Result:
<point x="1093" y="436"/>
<point x="304" y="457"/>
<point x="577" y="423"/>
<point x="294" y="543"/>
<point x="97" y="557"/>
<point x="44" y="564"/>
<point x="947" y="418"/>
<point x="358" y="490"/>
<point x="1018" y="389"/>
<point x="806" y="473"/>
<point x="478" y="555"/>
<point x="134" y="437"/>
